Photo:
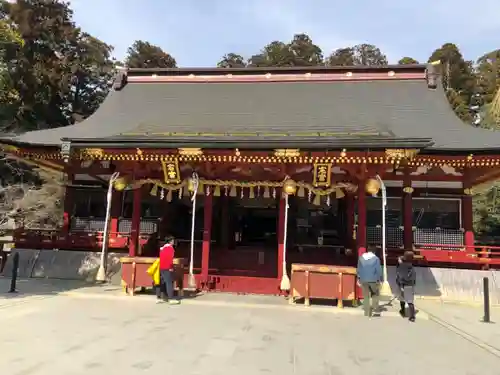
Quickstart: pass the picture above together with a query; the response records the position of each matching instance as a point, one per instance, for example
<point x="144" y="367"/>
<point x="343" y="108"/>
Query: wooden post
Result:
<point x="281" y="237"/>
<point x="340" y="300"/>
<point x="225" y="233"/>
<point x="349" y="220"/>
<point x="68" y="205"/>
<point x="207" y="235"/>
<point x="467" y="214"/>
<point x="307" y="301"/>
<point x="361" y="228"/>
<point x="136" y="222"/>
<point x="116" y="212"/>
<point x="361" y="232"/>
<point x="407" y="212"/>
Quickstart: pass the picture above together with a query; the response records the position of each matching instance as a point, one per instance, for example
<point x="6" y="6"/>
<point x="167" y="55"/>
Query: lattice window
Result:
<point x="146" y="226"/>
<point x="85" y="224"/>
<point x="394" y="236"/>
<point x="438" y="237"/>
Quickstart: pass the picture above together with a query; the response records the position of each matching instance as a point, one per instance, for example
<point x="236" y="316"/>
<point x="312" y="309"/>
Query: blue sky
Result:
<point x="199" y="32"/>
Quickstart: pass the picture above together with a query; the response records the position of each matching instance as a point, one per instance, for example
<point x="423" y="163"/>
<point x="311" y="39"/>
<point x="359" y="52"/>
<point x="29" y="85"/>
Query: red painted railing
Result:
<point x="81" y="240"/>
<point x="426" y="254"/>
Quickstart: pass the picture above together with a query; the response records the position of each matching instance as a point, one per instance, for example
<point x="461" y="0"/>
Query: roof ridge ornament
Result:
<point x="431" y="74"/>
<point x="121" y="79"/>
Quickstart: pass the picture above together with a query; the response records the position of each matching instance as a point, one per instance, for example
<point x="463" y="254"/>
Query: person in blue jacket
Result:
<point x="369" y="277"/>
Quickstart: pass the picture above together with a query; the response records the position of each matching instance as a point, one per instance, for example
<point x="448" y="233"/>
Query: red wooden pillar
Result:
<point x="68" y="205"/>
<point x="407" y="212"/>
<point x="349" y="220"/>
<point x="225" y="224"/>
<point x="207" y="236"/>
<point x="136" y="222"/>
<point x="281" y="236"/>
<point x="467" y="214"/>
<point x="361" y="232"/>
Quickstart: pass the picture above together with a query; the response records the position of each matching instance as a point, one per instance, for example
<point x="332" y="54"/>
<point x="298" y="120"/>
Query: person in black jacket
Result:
<point x="405" y="279"/>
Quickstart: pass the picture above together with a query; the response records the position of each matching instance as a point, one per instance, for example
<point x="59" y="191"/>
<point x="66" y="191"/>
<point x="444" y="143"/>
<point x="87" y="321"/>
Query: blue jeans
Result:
<point x="166" y="284"/>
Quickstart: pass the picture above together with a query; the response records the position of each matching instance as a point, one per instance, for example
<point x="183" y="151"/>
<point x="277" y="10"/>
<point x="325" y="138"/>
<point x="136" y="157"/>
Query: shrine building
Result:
<point x="245" y="141"/>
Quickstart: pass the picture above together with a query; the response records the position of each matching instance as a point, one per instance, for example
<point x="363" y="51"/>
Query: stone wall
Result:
<point x="63" y="264"/>
<point x="439" y="283"/>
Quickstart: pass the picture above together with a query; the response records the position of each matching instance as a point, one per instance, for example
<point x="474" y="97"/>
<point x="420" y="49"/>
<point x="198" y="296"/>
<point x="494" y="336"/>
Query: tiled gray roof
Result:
<point x="382" y="109"/>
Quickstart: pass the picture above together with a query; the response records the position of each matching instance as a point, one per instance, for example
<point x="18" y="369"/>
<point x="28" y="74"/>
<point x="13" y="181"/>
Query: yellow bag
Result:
<point x="154" y="272"/>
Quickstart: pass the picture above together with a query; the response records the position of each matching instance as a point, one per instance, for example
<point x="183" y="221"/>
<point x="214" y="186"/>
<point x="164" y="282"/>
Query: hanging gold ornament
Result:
<point x="207" y="191"/>
<point x="274" y="193"/>
<point x="301" y="192"/>
<point x="200" y="189"/>
<point x="191" y="185"/>
<point x="317" y="200"/>
<point x="289" y="187"/>
<point x="162" y="194"/>
<point x="251" y="194"/>
<point x="120" y="183"/>
<point x="372" y="186"/>
<point x="242" y="193"/>
<point x="309" y="195"/>
<point x="339" y="194"/>
<point x="328" y="200"/>
<point x="169" y="195"/>
<point x="217" y="191"/>
<point x="154" y="191"/>
<point x="267" y="193"/>
<point x="233" y="192"/>
<point x="180" y="193"/>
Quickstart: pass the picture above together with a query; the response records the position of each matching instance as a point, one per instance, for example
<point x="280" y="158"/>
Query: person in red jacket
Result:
<point x="167" y="253"/>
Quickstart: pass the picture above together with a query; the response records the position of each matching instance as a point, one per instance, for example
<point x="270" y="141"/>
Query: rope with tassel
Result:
<point x="191" y="278"/>
<point x="285" y="280"/>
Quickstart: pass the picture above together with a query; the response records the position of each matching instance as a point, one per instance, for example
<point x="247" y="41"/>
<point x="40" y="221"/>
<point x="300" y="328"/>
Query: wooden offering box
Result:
<point x="323" y="282"/>
<point x="135" y="275"/>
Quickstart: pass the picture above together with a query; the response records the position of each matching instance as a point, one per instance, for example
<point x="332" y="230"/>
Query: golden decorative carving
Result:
<point x="322" y="174"/>
<point x="92" y="153"/>
<point x="401" y="153"/>
<point x="139" y="152"/>
<point x="408" y="190"/>
<point x="171" y="172"/>
<point x="468" y="192"/>
<point x="287" y="152"/>
<point x="195" y="151"/>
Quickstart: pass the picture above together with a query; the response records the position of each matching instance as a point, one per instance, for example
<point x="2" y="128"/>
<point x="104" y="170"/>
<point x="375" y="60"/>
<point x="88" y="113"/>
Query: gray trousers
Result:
<point x="407" y="293"/>
<point x="371" y="297"/>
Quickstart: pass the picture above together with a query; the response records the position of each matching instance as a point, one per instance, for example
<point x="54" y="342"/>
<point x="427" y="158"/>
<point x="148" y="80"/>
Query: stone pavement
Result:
<point x="466" y="321"/>
<point x="28" y="289"/>
<point x="109" y="333"/>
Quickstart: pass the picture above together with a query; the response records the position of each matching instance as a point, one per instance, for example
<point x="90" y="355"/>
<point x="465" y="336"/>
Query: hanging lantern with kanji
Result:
<point x="193" y="183"/>
<point x="372" y="186"/>
<point x="120" y="183"/>
<point x="289" y="187"/>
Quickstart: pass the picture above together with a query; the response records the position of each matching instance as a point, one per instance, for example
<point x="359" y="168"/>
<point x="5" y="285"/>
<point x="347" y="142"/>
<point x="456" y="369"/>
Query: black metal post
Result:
<point x="15" y="268"/>
<point x="486" y="295"/>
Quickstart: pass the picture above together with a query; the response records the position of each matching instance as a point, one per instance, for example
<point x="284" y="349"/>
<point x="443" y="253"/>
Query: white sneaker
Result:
<point x="158" y="301"/>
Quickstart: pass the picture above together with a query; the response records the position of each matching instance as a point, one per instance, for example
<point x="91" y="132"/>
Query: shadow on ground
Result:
<point x="36" y="287"/>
